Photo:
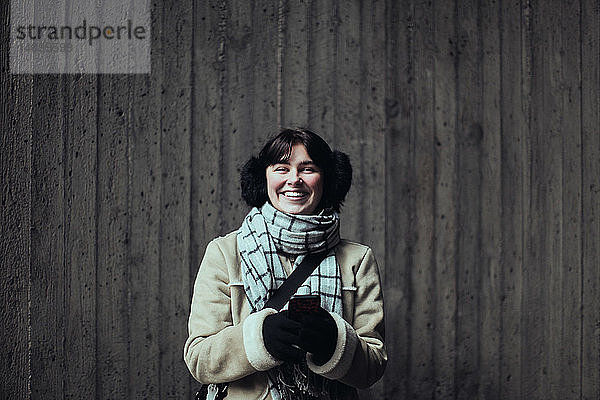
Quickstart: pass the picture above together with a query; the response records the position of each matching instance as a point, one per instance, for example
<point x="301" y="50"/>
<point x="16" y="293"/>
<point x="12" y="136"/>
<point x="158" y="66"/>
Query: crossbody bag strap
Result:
<point x="296" y="278"/>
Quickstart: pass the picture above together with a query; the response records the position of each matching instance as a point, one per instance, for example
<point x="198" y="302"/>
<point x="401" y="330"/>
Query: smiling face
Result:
<point x="295" y="186"/>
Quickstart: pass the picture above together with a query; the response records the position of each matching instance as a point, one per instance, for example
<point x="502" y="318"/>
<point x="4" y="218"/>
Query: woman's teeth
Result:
<point x="294" y="194"/>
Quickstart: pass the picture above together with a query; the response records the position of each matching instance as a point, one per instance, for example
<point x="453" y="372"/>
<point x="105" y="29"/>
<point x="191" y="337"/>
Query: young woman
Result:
<point x="295" y="188"/>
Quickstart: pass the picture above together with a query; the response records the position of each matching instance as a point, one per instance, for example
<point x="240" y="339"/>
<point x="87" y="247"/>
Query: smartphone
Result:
<point x="303" y="304"/>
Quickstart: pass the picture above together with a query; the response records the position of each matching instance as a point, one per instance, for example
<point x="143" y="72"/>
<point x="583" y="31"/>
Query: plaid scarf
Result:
<point x="267" y="232"/>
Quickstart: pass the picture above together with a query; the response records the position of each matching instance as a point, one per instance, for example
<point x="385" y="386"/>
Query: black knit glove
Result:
<point x="318" y="335"/>
<point x="280" y="334"/>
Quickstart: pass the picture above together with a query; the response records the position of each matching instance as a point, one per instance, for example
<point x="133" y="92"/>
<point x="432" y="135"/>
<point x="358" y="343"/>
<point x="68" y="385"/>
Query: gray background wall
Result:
<point x="473" y="128"/>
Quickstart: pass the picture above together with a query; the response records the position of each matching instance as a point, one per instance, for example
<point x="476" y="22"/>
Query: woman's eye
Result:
<point x="280" y="169"/>
<point x="309" y="169"/>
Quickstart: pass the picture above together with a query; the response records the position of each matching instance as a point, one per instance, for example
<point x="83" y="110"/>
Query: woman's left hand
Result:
<point x="318" y="335"/>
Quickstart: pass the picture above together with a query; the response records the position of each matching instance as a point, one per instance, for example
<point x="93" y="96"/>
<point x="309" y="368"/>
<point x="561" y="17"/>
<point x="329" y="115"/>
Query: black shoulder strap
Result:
<point x="293" y="282"/>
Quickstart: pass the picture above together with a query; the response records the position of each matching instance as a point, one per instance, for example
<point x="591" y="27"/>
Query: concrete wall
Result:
<point x="473" y="128"/>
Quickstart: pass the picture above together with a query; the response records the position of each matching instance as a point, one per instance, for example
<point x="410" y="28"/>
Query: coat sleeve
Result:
<point x="216" y="350"/>
<point x="360" y="357"/>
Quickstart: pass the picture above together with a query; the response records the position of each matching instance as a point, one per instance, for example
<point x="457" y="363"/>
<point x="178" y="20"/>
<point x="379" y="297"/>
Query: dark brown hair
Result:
<point x="335" y="165"/>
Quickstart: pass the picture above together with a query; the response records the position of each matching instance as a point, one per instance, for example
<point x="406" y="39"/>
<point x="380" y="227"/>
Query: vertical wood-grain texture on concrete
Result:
<point x="474" y="132"/>
<point x="590" y="207"/>
<point x="15" y="237"/>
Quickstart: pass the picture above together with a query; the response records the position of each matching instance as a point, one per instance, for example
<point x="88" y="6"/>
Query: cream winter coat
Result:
<point x="225" y="342"/>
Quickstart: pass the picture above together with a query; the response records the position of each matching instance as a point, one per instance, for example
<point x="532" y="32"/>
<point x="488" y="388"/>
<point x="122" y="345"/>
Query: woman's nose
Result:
<point x="294" y="178"/>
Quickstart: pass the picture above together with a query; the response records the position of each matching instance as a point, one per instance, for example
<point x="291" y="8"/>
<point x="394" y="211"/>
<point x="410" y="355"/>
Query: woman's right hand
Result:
<point x="282" y="337"/>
